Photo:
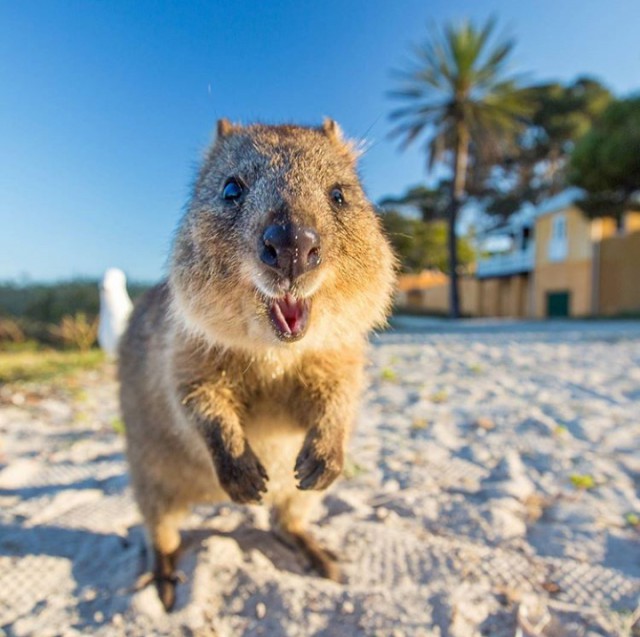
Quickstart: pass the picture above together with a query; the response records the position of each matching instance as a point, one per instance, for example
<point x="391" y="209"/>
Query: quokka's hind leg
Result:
<point x="292" y="520"/>
<point x="164" y="533"/>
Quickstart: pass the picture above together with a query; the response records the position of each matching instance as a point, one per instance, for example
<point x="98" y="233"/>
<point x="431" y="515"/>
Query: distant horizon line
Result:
<point x="23" y="281"/>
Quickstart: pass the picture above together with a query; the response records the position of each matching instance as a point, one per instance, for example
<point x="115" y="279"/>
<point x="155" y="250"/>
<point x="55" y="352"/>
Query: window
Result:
<point x="560" y="228"/>
<point x="558" y="245"/>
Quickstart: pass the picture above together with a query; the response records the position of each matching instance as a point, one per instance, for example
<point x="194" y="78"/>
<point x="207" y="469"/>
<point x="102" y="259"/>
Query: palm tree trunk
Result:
<point x="454" y="292"/>
<point x="461" y="158"/>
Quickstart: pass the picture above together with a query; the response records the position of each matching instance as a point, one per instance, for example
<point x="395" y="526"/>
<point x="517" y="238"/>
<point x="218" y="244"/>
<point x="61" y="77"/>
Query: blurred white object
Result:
<point x="115" y="308"/>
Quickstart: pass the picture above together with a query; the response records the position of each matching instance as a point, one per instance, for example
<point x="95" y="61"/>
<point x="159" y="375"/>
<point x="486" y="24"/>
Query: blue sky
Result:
<point x="106" y="107"/>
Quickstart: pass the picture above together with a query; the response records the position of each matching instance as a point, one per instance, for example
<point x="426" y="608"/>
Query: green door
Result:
<point x="557" y="304"/>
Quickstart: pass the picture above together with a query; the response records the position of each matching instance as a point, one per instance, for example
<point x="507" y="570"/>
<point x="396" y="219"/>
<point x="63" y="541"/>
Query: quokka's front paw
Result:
<point x="319" y="462"/>
<point x="242" y="477"/>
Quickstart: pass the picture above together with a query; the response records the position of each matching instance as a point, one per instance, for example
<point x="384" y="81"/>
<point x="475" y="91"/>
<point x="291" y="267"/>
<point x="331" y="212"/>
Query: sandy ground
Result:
<point x="493" y="482"/>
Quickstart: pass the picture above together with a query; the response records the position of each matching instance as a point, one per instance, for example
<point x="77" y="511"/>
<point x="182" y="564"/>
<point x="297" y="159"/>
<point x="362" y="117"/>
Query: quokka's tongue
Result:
<point x="289" y="316"/>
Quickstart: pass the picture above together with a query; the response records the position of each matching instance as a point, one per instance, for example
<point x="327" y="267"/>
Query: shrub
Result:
<point x="11" y="331"/>
<point x="76" y="332"/>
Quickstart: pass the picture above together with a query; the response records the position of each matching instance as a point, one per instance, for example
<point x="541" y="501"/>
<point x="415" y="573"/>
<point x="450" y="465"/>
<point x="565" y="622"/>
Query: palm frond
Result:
<point x="459" y="77"/>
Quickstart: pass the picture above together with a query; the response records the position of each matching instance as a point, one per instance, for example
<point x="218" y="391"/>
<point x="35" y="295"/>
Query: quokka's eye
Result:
<point x="232" y="190"/>
<point x="337" y="196"/>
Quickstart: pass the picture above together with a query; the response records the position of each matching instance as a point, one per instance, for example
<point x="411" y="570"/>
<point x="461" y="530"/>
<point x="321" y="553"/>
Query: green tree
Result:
<point x="606" y="161"/>
<point x="537" y="167"/>
<point x="459" y="97"/>
<point x="50" y="302"/>
<point x="423" y="245"/>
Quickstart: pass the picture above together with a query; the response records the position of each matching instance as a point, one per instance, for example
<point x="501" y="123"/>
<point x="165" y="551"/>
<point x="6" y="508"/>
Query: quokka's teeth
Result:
<point x="289" y="316"/>
<point x="280" y="318"/>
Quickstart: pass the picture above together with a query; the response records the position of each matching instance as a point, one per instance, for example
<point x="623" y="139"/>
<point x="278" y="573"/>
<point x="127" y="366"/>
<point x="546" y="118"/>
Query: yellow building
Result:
<point x="564" y="279"/>
<point x="617" y="263"/>
<point x="584" y="267"/>
<point x="416" y="291"/>
<point x="504" y="272"/>
<point x="552" y="262"/>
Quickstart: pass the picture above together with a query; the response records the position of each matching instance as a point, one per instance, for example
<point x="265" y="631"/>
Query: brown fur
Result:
<point x="216" y="406"/>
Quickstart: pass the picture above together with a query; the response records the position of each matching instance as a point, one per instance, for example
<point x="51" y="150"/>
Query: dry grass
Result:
<point x="44" y="365"/>
<point x="77" y="331"/>
<point x="11" y="331"/>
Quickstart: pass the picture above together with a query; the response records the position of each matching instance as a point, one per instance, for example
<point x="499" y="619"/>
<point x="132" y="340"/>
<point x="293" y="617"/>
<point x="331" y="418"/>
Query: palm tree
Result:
<point x="460" y="99"/>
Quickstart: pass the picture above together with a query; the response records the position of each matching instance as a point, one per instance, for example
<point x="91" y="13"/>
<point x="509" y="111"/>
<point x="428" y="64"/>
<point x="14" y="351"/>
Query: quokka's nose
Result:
<point x="289" y="249"/>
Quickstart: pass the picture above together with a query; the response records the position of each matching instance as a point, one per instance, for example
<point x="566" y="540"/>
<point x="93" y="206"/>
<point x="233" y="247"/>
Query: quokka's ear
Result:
<point x="347" y="147"/>
<point x="225" y="128"/>
<point x="332" y="130"/>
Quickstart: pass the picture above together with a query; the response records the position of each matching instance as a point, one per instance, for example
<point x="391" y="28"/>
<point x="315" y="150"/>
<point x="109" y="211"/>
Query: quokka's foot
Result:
<point x="166" y="577"/>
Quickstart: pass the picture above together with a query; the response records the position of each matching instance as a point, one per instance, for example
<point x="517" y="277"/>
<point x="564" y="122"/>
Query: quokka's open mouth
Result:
<point x="289" y="317"/>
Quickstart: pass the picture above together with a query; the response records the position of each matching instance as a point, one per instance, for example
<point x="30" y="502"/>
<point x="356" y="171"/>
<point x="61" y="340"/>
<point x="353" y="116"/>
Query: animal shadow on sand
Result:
<point x="107" y="567"/>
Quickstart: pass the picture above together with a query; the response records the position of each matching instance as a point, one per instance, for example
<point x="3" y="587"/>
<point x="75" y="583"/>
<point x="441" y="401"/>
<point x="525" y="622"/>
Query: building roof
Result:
<point x="524" y="216"/>
<point x="527" y="213"/>
<point x="564" y="199"/>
